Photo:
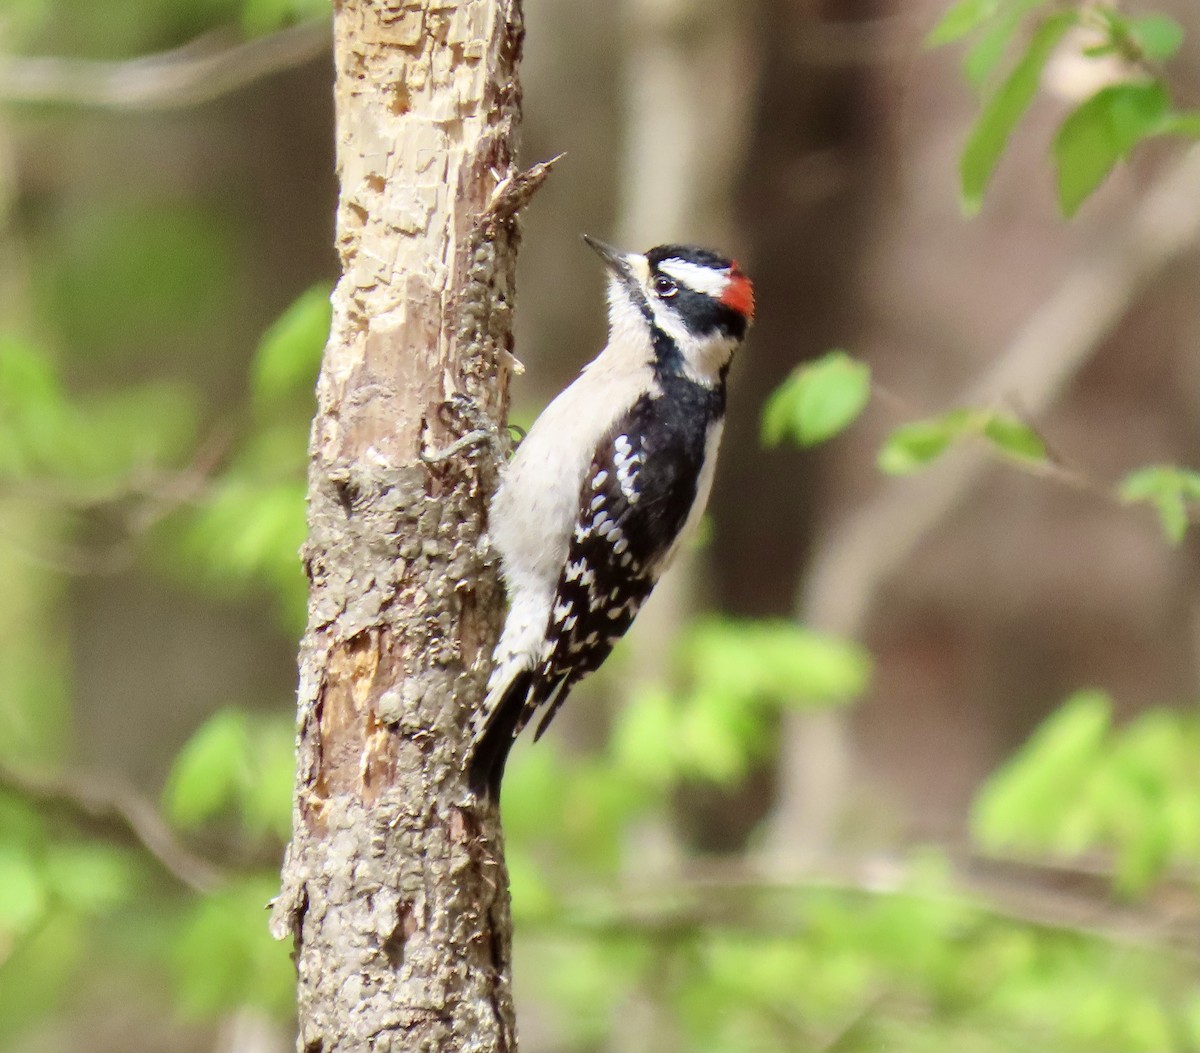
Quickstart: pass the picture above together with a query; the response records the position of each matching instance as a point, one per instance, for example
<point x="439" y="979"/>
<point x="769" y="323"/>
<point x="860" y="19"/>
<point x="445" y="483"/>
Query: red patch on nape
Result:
<point x="739" y="294"/>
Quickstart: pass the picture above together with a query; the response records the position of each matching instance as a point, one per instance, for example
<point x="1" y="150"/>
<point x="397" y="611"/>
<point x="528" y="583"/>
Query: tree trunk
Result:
<point x="394" y="888"/>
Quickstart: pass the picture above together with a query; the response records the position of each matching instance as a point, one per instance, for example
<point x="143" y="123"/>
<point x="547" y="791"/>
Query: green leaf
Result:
<point x="1181" y="813"/>
<point x="532" y="791"/>
<point x="1169" y="489"/>
<point x="1181" y="122"/>
<point x="711" y="734"/>
<point x="98" y="440"/>
<point x="1004" y="109"/>
<point x="225" y="958"/>
<point x="89" y="877"/>
<point x="775" y="661"/>
<point x="533" y="897"/>
<point x="260" y="17"/>
<point x="1014" y="437"/>
<point x="247" y="531"/>
<point x="289" y="354"/>
<point x="1102" y="131"/>
<point x="130" y="428"/>
<point x="962" y="18"/>
<point x="913" y="446"/>
<point x="818" y="400"/>
<point x="987" y="52"/>
<point x="1145" y="855"/>
<point x="41" y="971"/>
<point x="23" y="897"/>
<point x="1172" y="514"/>
<point x="1016" y="806"/>
<point x="235" y="764"/>
<point x="811" y="667"/>
<point x="266" y="794"/>
<point x="1189" y="483"/>
<point x="34" y="413"/>
<point x="1144" y="484"/>
<point x="209" y="772"/>
<point x="707" y="748"/>
<point x="642" y="737"/>
<point x="1158" y="37"/>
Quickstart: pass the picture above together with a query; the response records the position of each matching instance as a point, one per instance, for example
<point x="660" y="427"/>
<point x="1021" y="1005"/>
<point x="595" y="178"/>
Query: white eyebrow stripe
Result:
<point x="694" y="276"/>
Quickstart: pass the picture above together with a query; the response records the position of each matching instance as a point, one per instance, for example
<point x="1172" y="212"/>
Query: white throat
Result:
<point x="706" y="357"/>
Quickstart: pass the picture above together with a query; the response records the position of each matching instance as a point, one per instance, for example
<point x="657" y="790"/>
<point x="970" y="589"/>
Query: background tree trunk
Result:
<point x="394" y="887"/>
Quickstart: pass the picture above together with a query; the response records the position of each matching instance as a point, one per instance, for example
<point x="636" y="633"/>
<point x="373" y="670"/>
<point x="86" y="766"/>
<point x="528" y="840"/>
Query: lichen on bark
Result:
<point x="394" y="886"/>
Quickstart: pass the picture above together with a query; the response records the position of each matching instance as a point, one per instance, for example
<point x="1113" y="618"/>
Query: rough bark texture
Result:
<point x="394" y="887"/>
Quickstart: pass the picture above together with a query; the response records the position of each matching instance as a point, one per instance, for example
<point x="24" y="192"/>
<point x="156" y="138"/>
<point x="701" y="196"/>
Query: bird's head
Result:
<point x="693" y="304"/>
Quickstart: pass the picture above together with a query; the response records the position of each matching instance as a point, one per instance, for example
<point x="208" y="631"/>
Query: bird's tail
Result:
<point x="505" y="706"/>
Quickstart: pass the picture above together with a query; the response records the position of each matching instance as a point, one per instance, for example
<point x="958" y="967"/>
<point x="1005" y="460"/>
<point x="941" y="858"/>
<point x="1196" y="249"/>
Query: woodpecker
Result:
<point x="607" y="484"/>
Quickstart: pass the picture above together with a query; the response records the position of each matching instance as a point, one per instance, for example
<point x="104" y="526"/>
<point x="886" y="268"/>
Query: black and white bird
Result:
<point x="609" y="481"/>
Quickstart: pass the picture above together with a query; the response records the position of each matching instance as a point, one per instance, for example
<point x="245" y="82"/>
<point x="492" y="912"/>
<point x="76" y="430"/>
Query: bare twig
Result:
<point x="861" y="555"/>
<point x="196" y="73"/>
<point x="121" y="810"/>
<point x="724" y="893"/>
<point x="515" y="192"/>
<point x="1054" y="467"/>
<point x="152" y="494"/>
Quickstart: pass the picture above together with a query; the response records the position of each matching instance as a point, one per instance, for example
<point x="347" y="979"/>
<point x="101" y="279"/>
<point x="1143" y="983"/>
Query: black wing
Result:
<point x="633" y="503"/>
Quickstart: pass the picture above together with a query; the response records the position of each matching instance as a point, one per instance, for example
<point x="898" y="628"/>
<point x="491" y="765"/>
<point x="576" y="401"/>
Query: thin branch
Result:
<point x="152" y="494"/>
<point x="196" y="73"/>
<point x="120" y="809"/>
<point x="514" y="193"/>
<point x="862" y="554"/>
<point x="714" y="894"/>
<point x="859" y="556"/>
<point x="1054" y="467"/>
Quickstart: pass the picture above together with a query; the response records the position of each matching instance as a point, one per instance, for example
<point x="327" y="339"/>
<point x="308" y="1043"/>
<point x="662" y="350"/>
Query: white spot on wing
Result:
<point x="626" y="462"/>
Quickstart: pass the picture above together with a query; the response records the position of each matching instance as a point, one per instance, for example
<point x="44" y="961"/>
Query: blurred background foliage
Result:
<point x="867" y="805"/>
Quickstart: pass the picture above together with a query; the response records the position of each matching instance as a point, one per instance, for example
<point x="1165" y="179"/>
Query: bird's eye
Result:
<point x="664" y="287"/>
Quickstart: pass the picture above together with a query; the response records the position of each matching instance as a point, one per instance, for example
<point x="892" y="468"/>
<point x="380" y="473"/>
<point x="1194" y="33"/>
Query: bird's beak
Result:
<point x="614" y="259"/>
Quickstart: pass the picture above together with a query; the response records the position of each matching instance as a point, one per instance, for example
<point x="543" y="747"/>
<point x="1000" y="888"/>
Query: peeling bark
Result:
<point x="394" y="887"/>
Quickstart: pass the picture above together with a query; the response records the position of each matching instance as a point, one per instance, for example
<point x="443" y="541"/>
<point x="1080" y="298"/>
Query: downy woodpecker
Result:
<point x="608" y="482"/>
